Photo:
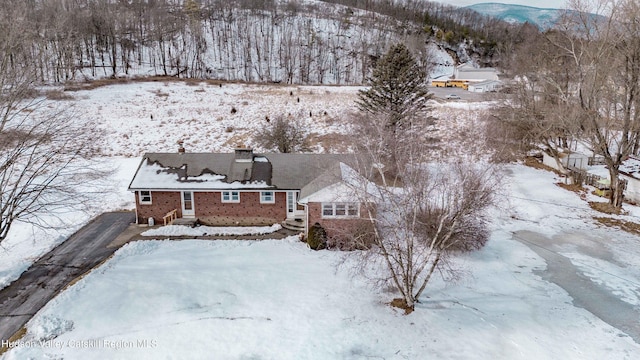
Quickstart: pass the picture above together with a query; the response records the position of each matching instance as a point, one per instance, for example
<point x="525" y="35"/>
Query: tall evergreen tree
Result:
<point x="398" y="89"/>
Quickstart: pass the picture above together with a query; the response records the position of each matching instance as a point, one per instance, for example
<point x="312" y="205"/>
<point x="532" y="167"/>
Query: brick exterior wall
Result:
<point x="340" y="231"/>
<point x="210" y="209"/>
<point x="161" y="203"/>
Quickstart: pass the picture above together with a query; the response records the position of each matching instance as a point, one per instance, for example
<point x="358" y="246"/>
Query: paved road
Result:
<point x="593" y="297"/>
<point x="44" y="279"/>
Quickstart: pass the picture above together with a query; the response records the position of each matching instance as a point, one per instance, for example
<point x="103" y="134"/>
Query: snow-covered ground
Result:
<point x="276" y="299"/>
<point x="153" y="116"/>
<point x="144" y="117"/>
<point x="181" y="230"/>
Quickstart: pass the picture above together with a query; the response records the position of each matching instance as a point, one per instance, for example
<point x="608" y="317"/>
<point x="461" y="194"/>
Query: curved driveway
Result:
<point x="595" y="298"/>
<point x="44" y="279"/>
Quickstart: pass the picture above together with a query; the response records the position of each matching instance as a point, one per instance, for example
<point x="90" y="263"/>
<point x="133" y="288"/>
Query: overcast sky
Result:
<point x="551" y="4"/>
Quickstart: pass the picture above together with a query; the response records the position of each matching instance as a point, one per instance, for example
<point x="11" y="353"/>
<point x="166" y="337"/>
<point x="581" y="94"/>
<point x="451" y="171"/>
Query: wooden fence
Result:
<point x="582" y="177"/>
<point x="593" y="160"/>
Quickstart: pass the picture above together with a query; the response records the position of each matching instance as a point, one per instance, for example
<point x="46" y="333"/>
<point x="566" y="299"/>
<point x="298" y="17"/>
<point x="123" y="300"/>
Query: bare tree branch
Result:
<point x="45" y="151"/>
<point x="422" y="212"/>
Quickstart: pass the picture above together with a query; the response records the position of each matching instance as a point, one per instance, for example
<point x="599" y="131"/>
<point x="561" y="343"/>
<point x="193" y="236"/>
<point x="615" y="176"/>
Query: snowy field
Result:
<point x="153" y="116"/>
<point x="276" y="299"/>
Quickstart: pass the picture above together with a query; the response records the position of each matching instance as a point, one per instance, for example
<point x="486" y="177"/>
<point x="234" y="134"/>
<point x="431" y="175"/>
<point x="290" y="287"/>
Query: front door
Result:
<point x="188" y="210"/>
<point x="292" y="206"/>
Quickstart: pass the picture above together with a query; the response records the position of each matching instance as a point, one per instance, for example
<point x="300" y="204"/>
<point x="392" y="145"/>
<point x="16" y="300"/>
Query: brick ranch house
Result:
<point x="246" y="188"/>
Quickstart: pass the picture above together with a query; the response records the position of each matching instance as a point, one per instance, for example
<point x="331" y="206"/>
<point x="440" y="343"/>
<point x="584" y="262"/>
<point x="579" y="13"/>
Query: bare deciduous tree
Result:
<point x="43" y="151"/>
<point x="421" y="215"/>
<point x="581" y="82"/>
<point x="588" y="87"/>
<point x="285" y="135"/>
<point x="44" y="163"/>
<point x="538" y="114"/>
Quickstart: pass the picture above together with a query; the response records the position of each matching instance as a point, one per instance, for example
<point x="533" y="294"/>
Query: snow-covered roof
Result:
<point x="468" y="72"/>
<point x="485" y="82"/>
<point x="466" y="66"/>
<point x="217" y="171"/>
<point x="155" y="176"/>
<point x="340" y="184"/>
<point x="469" y="67"/>
<point x="338" y="192"/>
<point x="631" y="167"/>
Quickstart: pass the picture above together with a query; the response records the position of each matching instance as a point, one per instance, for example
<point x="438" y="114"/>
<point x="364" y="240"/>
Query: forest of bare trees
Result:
<point x="580" y="83"/>
<point x="241" y="40"/>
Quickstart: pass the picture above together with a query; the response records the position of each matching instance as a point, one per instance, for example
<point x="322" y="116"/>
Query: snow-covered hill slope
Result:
<point x="152" y="116"/>
<point x="289" y="42"/>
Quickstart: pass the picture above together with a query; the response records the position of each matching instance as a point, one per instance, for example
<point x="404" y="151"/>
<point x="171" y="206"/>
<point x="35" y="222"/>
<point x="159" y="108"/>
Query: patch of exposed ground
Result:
<point x="337" y="142"/>
<point x="604" y="207"/>
<point x="576" y="188"/>
<point x="401" y="304"/>
<point x="628" y="226"/>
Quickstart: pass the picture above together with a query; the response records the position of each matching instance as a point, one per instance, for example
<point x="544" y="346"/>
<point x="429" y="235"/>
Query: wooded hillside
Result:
<point x="332" y="42"/>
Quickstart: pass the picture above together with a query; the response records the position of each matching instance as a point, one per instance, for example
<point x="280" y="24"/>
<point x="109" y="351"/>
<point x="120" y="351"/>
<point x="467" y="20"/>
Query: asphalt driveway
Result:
<point x="44" y="279"/>
<point x="587" y="294"/>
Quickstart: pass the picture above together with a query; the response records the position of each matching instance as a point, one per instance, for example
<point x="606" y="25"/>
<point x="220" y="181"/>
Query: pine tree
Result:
<point x="398" y="89"/>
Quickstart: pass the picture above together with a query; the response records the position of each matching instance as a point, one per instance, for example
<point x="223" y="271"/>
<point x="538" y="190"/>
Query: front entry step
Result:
<point x="294" y="224"/>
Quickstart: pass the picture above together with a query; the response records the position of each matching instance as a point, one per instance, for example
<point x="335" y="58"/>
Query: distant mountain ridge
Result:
<point x="543" y="18"/>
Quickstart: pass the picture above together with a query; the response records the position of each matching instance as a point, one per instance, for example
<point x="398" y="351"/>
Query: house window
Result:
<point x="230" y="196"/>
<point x="267" y="197"/>
<point x="145" y="197"/>
<point x="340" y="210"/>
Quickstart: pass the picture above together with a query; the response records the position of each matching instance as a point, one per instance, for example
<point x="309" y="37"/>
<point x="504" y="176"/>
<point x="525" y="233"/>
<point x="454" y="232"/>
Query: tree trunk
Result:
<point x="617" y="188"/>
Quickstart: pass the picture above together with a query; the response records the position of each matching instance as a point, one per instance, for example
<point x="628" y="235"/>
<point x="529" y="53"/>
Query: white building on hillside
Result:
<point x="567" y="159"/>
<point x="466" y="71"/>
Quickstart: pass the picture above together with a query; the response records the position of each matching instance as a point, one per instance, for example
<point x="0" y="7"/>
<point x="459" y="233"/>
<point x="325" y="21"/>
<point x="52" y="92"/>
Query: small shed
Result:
<point x="568" y="160"/>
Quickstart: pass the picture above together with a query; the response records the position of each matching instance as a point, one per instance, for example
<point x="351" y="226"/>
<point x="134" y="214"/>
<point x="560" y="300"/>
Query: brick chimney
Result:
<point x="181" y="149"/>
